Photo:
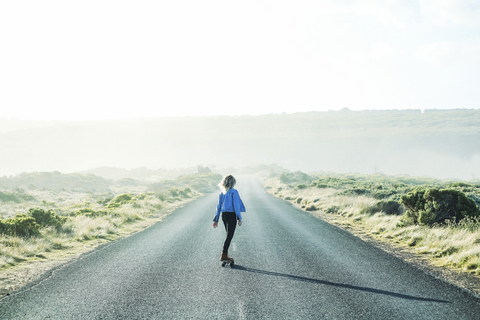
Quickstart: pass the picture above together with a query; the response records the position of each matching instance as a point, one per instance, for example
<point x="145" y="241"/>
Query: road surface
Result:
<point x="289" y="265"/>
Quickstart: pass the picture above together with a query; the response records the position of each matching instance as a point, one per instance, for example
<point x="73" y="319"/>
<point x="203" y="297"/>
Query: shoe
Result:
<point x="225" y="257"/>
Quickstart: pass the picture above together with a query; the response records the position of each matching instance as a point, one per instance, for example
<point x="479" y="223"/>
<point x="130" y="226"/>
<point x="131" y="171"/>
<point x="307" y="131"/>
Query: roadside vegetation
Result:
<point x="46" y="216"/>
<point x="436" y="218"/>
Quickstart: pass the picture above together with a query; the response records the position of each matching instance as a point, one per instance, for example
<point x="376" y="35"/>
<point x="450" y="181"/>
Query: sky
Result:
<point x="103" y="59"/>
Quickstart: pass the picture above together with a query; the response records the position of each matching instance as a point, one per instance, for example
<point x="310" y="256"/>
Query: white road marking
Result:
<point x="241" y="310"/>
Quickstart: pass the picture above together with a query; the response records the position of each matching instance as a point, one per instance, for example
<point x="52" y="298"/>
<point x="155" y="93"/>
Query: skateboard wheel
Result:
<point x="223" y="264"/>
<point x="231" y="264"/>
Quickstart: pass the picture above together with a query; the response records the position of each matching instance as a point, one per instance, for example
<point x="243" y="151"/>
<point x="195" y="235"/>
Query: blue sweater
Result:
<point x="229" y="202"/>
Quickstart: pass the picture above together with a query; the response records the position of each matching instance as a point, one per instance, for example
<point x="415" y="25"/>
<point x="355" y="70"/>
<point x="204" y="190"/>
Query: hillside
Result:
<point x="433" y="143"/>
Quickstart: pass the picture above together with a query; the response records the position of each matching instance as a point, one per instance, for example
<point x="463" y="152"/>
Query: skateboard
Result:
<point x="230" y="263"/>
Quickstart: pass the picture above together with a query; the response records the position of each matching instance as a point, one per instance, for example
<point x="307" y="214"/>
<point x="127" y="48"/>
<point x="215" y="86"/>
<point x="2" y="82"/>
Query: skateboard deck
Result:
<point x="230" y="263"/>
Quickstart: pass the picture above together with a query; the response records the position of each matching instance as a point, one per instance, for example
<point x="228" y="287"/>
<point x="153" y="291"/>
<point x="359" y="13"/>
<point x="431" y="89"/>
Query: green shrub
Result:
<point x="142" y="196"/>
<point x="355" y="192"/>
<point x="383" y="194"/>
<point x="123" y="198"/>
<point x="475" y="199"/>
<point x="297" y="176"/>
<point x="46" y="218"/>
<point x="430" y="206"/>
<point x="104" y="201"/>
<point x="460" y="185"/>
<point x="333" y="209"/>
<point x="174" y="192"/>
<point x="3" y="227"/>
<point x="6" y="197"/>
<point x="88" y="212"/>
<point x="21" y="225"/>
<point x="184" y="194"/>
<point x="161" y="196"/>
<point x="388" y="207"/>
<point x="119" y="200"/>
<point x="284" y="178"/>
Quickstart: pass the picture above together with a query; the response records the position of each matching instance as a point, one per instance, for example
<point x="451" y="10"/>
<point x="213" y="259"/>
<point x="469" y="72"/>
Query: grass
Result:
<point x="453" y="245"/>
<point x="116" y="223"/>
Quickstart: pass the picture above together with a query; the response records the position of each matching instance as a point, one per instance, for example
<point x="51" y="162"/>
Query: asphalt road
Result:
<point x="289" y="265"/>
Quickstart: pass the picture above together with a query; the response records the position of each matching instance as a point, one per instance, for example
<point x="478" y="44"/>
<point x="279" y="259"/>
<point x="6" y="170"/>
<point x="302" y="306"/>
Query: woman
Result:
<point x="231" y="207"/>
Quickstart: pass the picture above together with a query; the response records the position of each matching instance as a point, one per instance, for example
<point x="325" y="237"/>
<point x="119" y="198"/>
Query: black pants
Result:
<point x="230" y="223"/>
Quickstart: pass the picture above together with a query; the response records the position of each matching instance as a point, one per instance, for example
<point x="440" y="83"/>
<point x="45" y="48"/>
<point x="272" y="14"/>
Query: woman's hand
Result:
<point x="215" y="224"/>
<point x="239" y="223"/>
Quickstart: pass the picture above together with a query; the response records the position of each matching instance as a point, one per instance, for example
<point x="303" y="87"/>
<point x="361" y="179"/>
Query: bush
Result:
<point x="104" y="201"/>
<point x="475" y="199"/>
<point x="297" y="176"/>
<point x="46" y="218"/>
<point x="430" y="206"/>
<point x="388" y="207"/>
<point x="460" y="185"/>
<point x="119" y="200"/>
<point x="383" y="194"/>
<point x="355" y="192"/>
<point x="161" y="196"/>
<point x="6" y="197"/>
<point x="333" y="209"/>
<point x="89" y="212"/>
<point x="174" y="192"/>
<point x="21" y="225"/>
<point x="123" y="198"/>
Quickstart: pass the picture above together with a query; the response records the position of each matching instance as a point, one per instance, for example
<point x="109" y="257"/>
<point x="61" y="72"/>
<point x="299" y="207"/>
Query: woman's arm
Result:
<point x="237" y="205"/>
<point x="219" y="206"/>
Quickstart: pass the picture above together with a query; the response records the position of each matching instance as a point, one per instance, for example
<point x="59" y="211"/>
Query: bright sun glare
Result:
<point x="111" y="59"/>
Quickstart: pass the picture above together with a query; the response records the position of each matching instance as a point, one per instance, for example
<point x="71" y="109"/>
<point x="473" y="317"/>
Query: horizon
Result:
<point x="343" y="111"/>
<point x="441" y="144"/>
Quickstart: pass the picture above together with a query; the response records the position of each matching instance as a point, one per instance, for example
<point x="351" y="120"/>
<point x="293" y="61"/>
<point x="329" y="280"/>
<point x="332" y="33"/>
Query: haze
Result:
<point x="433" y="143"/>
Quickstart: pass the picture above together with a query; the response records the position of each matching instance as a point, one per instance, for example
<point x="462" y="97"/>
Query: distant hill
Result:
<point x="443" y="144"/>
<point x="56" y="181"/>
<point x="142" y="173"/>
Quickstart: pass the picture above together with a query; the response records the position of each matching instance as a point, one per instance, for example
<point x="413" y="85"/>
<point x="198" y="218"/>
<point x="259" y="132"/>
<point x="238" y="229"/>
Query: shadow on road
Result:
<point x="341" y="285"/>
